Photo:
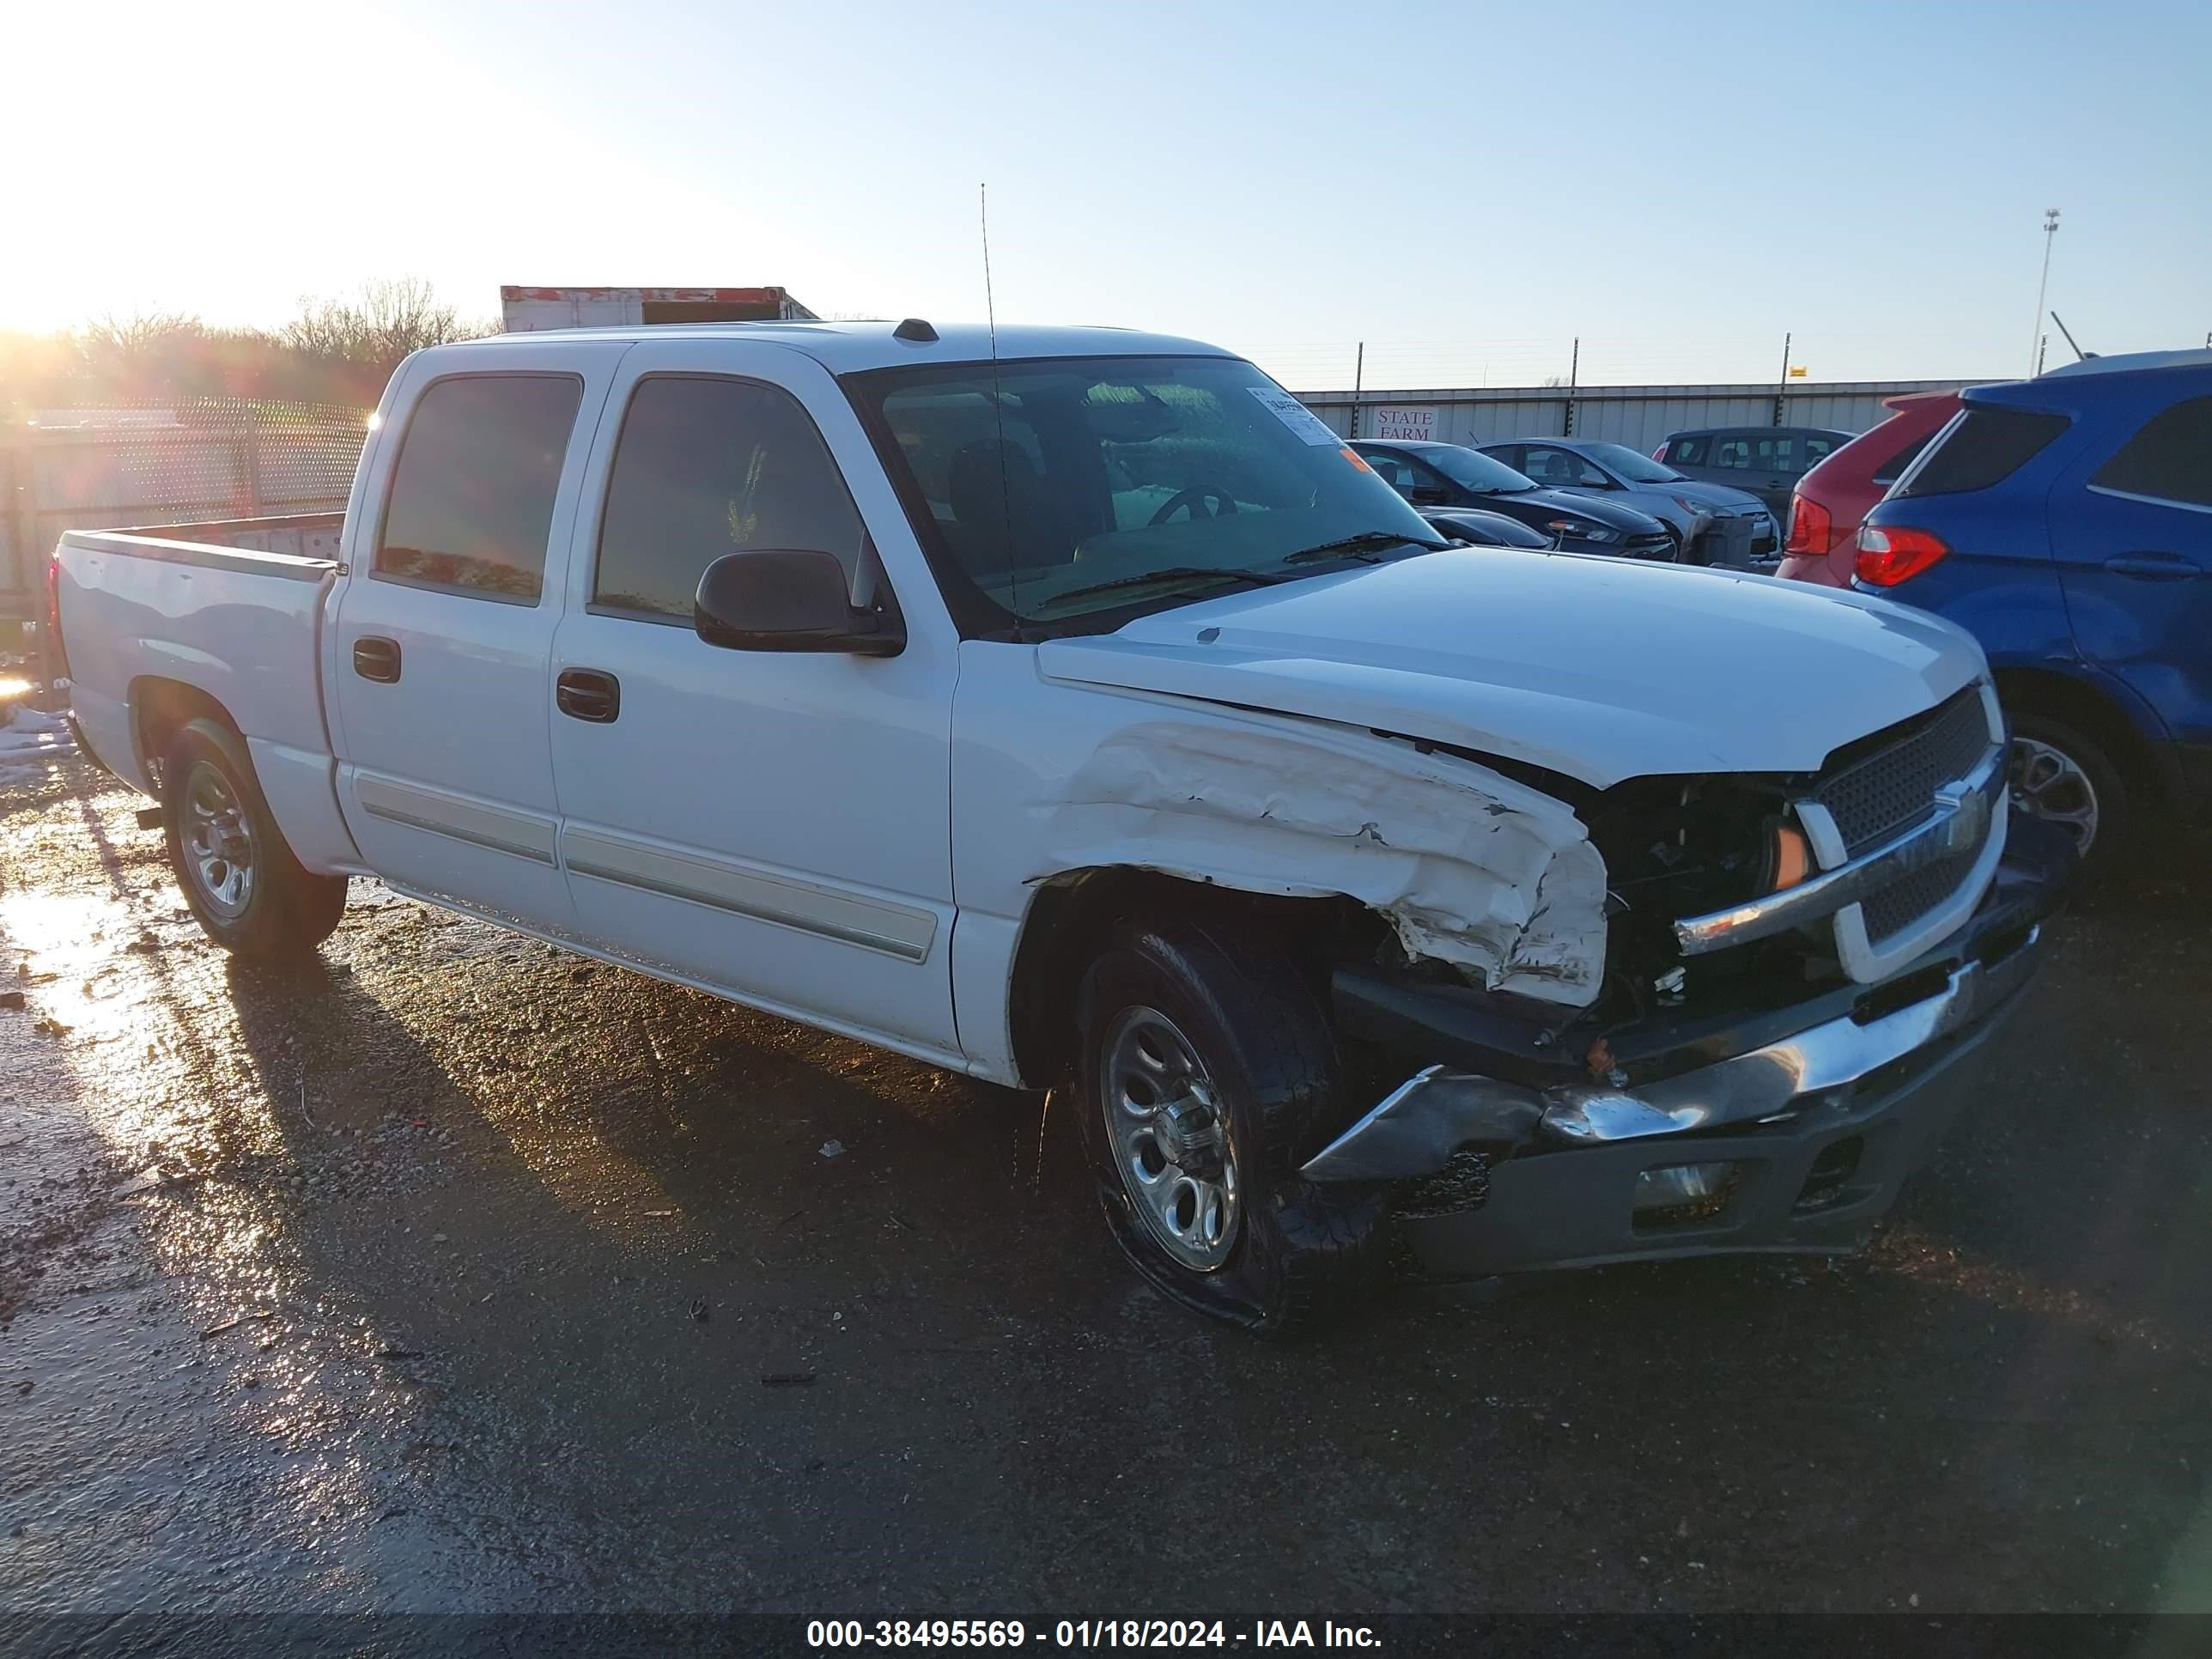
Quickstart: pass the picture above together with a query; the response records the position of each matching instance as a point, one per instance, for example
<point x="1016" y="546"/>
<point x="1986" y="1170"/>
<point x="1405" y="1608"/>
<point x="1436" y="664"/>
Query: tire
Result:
<point x="1290" y="1252"/>
<point x="248" y="893"/>
<point x="2059" y="774"/>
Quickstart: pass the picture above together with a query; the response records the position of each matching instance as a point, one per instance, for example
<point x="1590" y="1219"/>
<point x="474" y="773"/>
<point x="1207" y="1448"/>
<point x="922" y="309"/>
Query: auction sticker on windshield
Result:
<point x="1295" y="415"/>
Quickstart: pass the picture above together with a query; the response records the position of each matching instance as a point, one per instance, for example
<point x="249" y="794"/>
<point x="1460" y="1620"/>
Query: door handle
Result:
<point x="587" y="693"/>
<point x="2153" y="567"/>
<point x="375" y="659"/>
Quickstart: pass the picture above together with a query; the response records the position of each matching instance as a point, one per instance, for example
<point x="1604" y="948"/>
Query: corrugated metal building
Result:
<point x="1638" y="416"/>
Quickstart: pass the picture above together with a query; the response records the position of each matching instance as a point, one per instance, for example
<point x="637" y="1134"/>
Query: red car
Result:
<point x="1832" y="499"/>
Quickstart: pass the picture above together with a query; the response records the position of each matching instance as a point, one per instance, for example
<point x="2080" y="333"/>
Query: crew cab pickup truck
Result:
<point x="1074" y="708"/>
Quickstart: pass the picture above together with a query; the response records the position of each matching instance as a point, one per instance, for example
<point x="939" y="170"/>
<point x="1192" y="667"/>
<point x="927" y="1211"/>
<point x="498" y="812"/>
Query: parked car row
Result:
<point x="1714" y="522"/>
<point x="1584" y="496"/>
<point x="1432" y="474"/>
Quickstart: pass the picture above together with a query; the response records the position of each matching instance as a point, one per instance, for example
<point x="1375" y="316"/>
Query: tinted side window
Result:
<point x="1561" y="467"/>
<point x="1687" y="452"/>
<point x="1774" y="452"/>
<point x="1893" y="469"/>
<point x="1818" y="450"/>
<point x="1733" y="451"/>
<point x="706" y="467"/>
<point x="1391" y="467"/>
<point x="1986" y="447"/>
<point x="473" y="496"/>
<point x="2171" y="459"/>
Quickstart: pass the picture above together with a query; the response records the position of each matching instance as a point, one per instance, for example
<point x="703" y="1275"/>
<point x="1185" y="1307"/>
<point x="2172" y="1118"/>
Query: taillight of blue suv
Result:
<point x="1893" y="553"/>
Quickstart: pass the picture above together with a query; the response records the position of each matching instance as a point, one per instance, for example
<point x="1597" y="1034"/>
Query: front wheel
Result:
<point x="247" y="891"/>
<point x="2066" y="778"/>
<point x="1208" y="1075"/>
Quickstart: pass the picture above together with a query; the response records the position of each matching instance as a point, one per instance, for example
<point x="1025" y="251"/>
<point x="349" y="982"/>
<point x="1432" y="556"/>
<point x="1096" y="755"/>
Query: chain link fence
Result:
<point x="114" y="467"/>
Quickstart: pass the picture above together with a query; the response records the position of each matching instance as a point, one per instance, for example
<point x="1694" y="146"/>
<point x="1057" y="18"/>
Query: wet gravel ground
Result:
<point x="457" y="1273"/>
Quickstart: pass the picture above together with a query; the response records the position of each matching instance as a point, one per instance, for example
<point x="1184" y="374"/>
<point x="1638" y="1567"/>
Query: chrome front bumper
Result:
<point x="1415" y="1128"/>
<point x="1807" y="1134"/>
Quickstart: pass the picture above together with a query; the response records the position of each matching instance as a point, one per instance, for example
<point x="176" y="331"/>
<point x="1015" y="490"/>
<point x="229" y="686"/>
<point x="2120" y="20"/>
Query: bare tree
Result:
<point x="380" y="324"/>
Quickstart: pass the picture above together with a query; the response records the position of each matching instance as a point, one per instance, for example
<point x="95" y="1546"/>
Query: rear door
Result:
<point x="776" y="826"/>
<point x="1762" y="461"/>
<point x="2131" y="530"/>
<point x="445" y="630"/>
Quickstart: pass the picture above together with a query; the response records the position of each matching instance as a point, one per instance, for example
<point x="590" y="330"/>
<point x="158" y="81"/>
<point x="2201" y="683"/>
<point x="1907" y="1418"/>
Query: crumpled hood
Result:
<point x="1603" y="669"/>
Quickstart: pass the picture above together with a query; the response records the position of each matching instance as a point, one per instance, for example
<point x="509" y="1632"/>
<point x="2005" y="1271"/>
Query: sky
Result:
<point x="1468" y="189"/>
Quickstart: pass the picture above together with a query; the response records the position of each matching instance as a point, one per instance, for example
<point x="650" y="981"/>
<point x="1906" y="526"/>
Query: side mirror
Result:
<point x="1427" y="495"/>
<point x="786" y="599"/>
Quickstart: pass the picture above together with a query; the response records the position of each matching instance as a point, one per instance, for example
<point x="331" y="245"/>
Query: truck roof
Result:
<point x="848" y="347"/>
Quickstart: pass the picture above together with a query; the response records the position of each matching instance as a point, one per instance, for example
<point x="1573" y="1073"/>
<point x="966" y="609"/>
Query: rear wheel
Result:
<point x="2066" y="778"/>
<point x="248" y="891"/>
<point x="1208" y="1076"/>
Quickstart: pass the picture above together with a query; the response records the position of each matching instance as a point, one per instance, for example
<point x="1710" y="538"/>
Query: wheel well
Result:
<point x="1075" y="913"/>
<point x="159" y="710"/>
<point x="2063" y="698"/>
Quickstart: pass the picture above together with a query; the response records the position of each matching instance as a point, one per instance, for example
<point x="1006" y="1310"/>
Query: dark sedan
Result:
<point x="1448" y="475"/>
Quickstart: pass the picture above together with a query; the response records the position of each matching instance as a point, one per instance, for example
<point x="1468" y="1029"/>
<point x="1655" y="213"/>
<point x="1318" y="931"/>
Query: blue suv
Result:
<point x="2066" y="522"/>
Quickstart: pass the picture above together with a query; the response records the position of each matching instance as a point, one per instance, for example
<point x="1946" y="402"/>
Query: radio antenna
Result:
<point x="990" y="308"/>
<point x="999" y="413"/>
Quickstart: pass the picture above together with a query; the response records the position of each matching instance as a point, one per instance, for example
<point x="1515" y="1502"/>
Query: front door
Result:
<point x="775" y="825"/>
<point x="444" y="632"/>
<point x="2131" y="532"/>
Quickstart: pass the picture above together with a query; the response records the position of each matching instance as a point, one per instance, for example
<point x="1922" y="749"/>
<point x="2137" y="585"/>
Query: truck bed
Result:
<point x="232" y="608"/>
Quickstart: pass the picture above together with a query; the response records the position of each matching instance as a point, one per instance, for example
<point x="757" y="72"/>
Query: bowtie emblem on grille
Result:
<point x="1966" y="811"/>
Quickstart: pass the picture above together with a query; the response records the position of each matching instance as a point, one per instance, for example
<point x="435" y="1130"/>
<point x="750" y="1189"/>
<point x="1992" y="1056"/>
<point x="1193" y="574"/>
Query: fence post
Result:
<point x="22" y="506"/>
<point x="253" y="461"/>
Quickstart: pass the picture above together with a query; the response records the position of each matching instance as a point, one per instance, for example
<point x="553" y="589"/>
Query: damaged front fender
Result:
<point x="1468" y="867"/>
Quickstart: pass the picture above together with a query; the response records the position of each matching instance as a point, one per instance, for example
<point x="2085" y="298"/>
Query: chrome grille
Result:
<point x="1893" y="909"/>
<point x="1886" y="792"/>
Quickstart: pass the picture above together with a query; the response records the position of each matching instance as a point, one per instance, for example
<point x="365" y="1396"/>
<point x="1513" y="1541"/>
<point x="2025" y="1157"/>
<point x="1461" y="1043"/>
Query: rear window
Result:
<point x="1893" y="469"/>
<point x="473" y="496"/>
<point x="2169" y="460"/>
<point x="1986" y="447"/>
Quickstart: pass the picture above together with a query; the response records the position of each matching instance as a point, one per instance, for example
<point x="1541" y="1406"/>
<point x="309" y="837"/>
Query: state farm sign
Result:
<point x="1405" y="425"/>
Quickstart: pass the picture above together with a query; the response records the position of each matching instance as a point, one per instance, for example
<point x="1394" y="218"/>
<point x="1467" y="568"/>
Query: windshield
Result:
<point x="1636" y="468"/>
<point x="1481" y="473"/>
<point x="1058" y="487"/>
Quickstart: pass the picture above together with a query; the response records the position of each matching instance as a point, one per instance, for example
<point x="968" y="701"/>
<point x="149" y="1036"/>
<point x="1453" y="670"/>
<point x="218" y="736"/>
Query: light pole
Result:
<point x="2035" y="340"/>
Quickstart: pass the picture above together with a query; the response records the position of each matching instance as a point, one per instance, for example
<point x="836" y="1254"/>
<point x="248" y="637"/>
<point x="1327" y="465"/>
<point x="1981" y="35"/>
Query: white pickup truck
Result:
<point x="1073" y="707"/>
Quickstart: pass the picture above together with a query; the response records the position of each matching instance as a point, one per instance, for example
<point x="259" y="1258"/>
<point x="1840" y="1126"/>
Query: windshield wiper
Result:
<point x="1173" y="573"/>
<point x="1350" y="547"/>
